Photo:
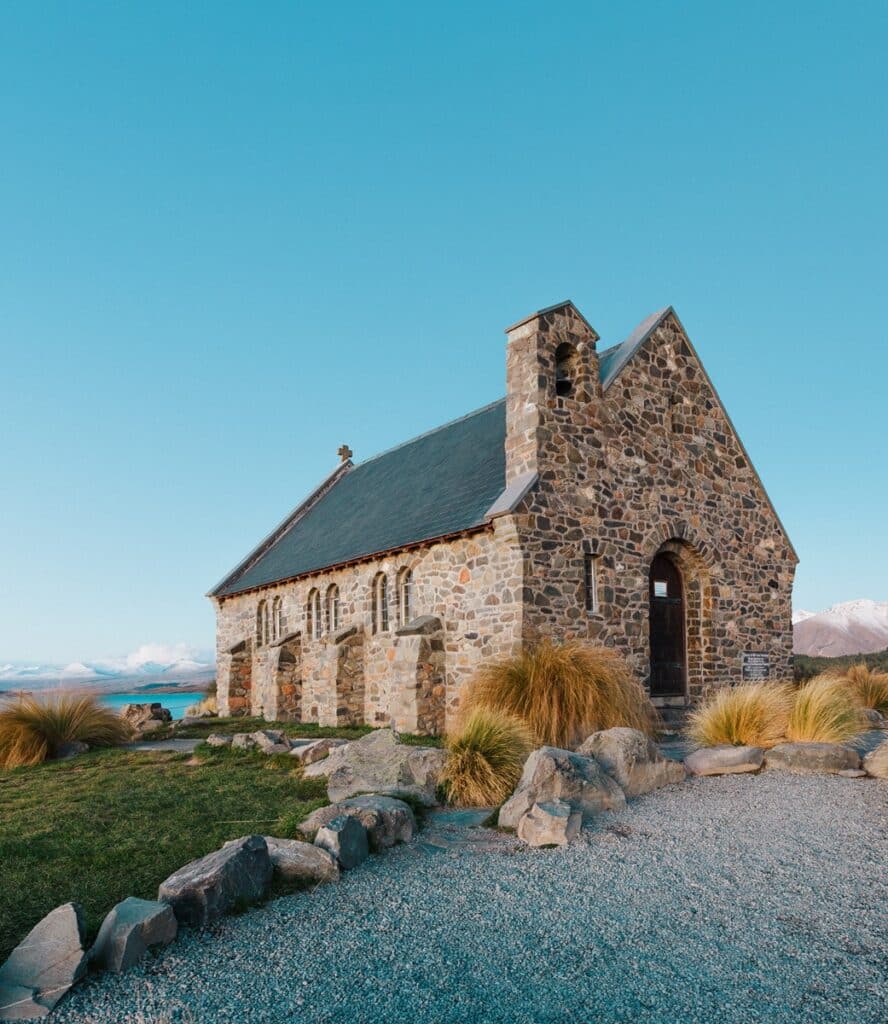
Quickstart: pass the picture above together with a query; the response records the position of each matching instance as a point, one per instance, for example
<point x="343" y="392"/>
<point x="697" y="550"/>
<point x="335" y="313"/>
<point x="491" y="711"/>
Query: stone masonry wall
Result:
<point x="473" y="584"/>
<point x="650" y="464"/>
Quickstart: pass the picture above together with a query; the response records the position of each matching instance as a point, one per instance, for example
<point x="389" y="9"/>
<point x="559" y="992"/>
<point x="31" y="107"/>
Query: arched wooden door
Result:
<point x="667" y="629"/>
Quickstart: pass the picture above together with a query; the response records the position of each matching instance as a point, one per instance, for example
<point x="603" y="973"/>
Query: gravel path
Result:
<point x="738" y="899"/>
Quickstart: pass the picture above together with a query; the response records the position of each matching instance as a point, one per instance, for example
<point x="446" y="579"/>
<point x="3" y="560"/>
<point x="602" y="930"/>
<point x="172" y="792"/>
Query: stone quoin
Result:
<point x="607" y="498"/>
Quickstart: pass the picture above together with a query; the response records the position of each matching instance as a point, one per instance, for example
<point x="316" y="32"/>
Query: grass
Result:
<point x="111" y="824"/>
<point x="34" y="729"/>
<point x="563" y="692"/>
<point x="228" y="726"/>
<point x="869" y="687"/>
<point x="825" y="710"/>
<point x="751" y="714"/>
<point x="484" y="759"/>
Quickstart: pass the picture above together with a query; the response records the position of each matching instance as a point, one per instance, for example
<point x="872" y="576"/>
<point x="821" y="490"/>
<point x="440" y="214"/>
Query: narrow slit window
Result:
<point x="590" y="582"/>
<point x="313" y="615"/>
<point x="405" y="588"/>
<point x="380" y="604"/>
<point x="333" y="608"/>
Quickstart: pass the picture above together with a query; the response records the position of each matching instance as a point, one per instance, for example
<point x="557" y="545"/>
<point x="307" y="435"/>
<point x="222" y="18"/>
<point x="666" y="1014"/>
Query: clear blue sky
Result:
<point x="233" y="236"/>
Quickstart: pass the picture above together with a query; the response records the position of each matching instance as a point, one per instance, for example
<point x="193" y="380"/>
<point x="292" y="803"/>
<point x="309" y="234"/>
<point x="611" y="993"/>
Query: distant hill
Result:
<point x="855" y="627"/>
<point x="806" y="667"/>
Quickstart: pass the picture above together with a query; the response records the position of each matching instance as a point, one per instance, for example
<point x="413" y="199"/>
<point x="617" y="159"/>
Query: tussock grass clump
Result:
<point x="825" y="710"/>
<point x="751" y="714"/>
<point x="484" y="759"/>
<point x="202" y="707"/>
<point x="32" y="729"/>
<point x="563" y="692"/>
<point x="869" y="688"/>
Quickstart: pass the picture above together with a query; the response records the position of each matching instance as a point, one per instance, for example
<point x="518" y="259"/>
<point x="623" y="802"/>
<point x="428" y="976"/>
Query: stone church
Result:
<point x="607" y="497"/>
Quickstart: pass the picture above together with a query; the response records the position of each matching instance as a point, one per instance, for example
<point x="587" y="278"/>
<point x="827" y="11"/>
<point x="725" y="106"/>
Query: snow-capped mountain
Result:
<point x="855" y="627"/>
<point x="150" y="663"/>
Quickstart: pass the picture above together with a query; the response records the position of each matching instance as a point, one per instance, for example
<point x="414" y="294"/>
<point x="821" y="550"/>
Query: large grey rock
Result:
<point x="130" y="930"/>
<point x="377" y="763"/>
<point x="44" y="965"/>
<point x="552" y="774"/>
<point x="387" y="820"/>
<point x="218" y="739"/>
<point x="143" y="718"/>
<point x="632" y="760"/>
<point x="551" y="823"/>
<point x="271" y="741"/>
<point x="724" y="759"/>
<point x="326" y="765"/>
<point x="209" y="887"/>
<point x="346" y="839"/>
<point x="876" y="761"/>
<point x="301" y="863"/>
<point x="243" y="741"/>
<point x="805" y="758"/>
<point x="317" y="750"/>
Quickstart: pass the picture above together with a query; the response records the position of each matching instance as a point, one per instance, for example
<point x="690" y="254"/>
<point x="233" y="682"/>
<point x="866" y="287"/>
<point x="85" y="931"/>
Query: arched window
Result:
<point x="380" y="604"/>
<point x="262" y="623"/>
<point x="565" y="369"/>
<point x="332" y="608"/>
<point x="277" y="616"/>
<point x="405" y="596"/>
<point x="313" y="615"/>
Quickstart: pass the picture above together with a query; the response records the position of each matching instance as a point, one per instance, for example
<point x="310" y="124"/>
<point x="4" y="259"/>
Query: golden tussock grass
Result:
<point x="484" y="759"/>
<point x="825" y="710"/>
<point x="563" y="692"/>
<point x="33" y="729"/>
<point x="751" y="714"/>
<point x="869" y="688"/>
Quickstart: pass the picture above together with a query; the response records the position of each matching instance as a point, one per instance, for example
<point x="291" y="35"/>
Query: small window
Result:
<point x="380" y="604"/>
<point x="405" y="589"/>
<point x="262" y="624"/>
<point x="313" y="615"/>
<point x="661" y="588"/>
<point x="277" y="617"/>
<point x="590" y="582"/>
<point x="565" y="369"/>
<point x="332" y="608"/>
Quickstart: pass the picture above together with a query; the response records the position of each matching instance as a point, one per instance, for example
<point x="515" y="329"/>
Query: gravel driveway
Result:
<point x="737" y="899"/>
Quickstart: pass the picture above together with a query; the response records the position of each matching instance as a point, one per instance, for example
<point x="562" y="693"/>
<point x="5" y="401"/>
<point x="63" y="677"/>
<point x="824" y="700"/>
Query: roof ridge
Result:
<point x="428" y="433"/>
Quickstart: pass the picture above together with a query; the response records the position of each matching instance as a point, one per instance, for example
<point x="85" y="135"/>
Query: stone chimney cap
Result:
<point x="344" y="453"/>
<point x="551" y="309"/>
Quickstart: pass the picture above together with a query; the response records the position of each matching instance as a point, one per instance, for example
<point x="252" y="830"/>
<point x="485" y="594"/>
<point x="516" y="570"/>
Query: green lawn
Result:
<point x="112" y="824"/>
<point x="203" y="728"/>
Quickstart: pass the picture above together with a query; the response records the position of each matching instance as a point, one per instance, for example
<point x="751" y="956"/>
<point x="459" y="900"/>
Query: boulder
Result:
<point x="204" y="890"/>
<point x="852" y="773"/>
<point x="805" y="758"/>
<point x="271" y="741"/>
<point x="632" y="760"/>
<point x="71" y="749"/>
<point x="326" y="765"/>
<point x="377" y="763"/>
<point x="317" y="750"/>
<point x="143" y="718"/>
<point x="724" y="759"/>
<point x="346" y="839"/>
<point x="302" y="863"/>
<point x="218" y="739"/>
<point x="243" y="741"/>
<point x="551" y="823"/>
<point x="876" y="762"/>
<point x="387" y="820"/>
<point x="44" y="965"/>
<point x="875" y="719"/>
<point x="552" y="774"/>
<point x="129" y="931"/>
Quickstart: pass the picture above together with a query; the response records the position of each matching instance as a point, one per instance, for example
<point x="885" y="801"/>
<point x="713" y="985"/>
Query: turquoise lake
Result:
<point x="176" y="702"/>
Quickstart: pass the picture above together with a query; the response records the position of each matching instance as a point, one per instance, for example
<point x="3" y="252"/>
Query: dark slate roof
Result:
<point x="613" y="360"/>
<point x="440" y="483"/>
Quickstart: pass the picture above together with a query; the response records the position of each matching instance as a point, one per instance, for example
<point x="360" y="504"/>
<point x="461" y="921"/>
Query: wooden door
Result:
<point x="667" y="629"/>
